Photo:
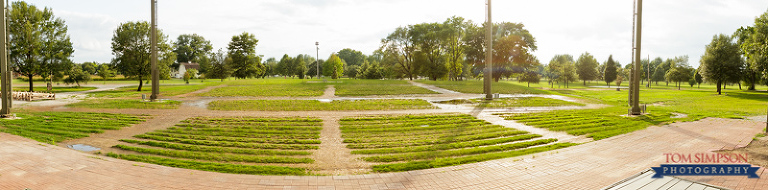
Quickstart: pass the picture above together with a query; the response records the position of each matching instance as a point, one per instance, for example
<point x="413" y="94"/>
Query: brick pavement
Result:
<point x="26" y="163"/>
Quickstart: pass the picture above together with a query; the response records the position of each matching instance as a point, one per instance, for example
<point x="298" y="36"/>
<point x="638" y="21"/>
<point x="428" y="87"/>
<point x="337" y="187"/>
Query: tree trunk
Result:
<point x="585" y="82"/>
<point x="141" y="83"/>
<point x="30" y="82"/>
<point x="609" y="84"/>
<point x="718" y="87"/>
<point x="739" y="85"/>
<point x="752" y="86"/>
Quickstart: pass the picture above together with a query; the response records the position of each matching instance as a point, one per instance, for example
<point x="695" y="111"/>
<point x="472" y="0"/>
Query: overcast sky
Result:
<point x="600" y="27"/>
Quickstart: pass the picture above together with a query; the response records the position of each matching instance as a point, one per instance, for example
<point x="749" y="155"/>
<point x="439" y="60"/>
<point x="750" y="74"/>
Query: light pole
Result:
<point x="5" y="78"/>
<point x="153" y="49"/>
<point x="317" y="59"/>
<point x="635" y="85"/>
<point x="488" y="55"/>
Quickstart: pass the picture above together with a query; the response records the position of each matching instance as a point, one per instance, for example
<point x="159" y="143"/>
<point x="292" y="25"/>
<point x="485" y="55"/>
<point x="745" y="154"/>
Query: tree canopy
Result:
<point x="611" y="71"/>
<point x="586" y="67"/>
<point x="131" y="47"/>
<point x="242" y="52"/>
<point x="721" y="60"/>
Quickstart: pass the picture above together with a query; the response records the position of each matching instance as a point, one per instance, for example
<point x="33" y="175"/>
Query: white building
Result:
<point x="183" y="69"/>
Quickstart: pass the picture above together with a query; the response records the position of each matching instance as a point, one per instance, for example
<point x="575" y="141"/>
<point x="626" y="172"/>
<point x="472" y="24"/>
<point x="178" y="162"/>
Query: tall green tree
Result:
<point x="611" y="71"/>
<point x="131" y="47"/>
<point x="300" y="65"/>
<point x="105" y="72"/>
<point x="242" y="50"/>
<point x="191" y="48"/>
<point x="429" y="55"/>
<point x="351" y="57"/>
<point x="38" y="41"/>
<point x="333" y="67"/>
<point x="586" y="67"/>
<point x="285" y="67"/>
<point x="219" y="66"/>
<point x="399" y="48"/>
<point x="721" y="60"/>
<point x="453" y="44"/>
<point x="512" y="48"/>
<point x="678" y="74"/>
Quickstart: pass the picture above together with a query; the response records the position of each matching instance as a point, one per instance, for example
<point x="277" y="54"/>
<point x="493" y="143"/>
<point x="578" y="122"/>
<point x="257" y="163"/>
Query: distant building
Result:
<point x="183" y="69"/>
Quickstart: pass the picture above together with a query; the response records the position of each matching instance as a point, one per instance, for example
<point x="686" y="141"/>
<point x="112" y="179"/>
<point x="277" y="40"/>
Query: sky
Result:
<point x="600" y="27"/>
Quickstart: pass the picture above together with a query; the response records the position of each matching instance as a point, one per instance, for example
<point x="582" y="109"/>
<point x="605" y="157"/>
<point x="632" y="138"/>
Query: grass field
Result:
<point x="54" y="127"/>
<point x="378" y="87"/>
<point x="268" y="87"/>
<point x="413" y="142"/>
<point x="165" y="90"/>
<point x="125" y="104"/>
<point x="243" y="145"/>
<point x="315" y="105"/>
<point x="526" y="102"/>
<point x="55" y="89"/>
<point x="476" y="87"/>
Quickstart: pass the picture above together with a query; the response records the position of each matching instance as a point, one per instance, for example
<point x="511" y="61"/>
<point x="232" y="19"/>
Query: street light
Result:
<point x="317" y="59"/>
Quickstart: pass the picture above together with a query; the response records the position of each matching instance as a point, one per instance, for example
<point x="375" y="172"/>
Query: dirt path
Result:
<point x="433" y="88"/>
<point x="329" y="93"/>
<point x="204" y="90"/>
<point x="333" y="157"/>
<point x="112" y="137"/>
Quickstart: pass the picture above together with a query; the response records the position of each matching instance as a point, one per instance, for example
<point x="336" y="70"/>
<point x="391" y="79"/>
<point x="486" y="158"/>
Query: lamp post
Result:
<point x="317" y="59"/>
<point x="153" y="50"/>
<point x="5" y="76"/>
<point x="488" y="54"/>
<point x="635" y="84"/>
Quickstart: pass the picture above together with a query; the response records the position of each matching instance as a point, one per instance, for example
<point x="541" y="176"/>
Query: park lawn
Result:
<point x="363" y="87"/>
<point x="268" y="87"/>
<point x="125" y="104"/>
<point x="414" y="142"/>
<point x="54" y="127"/>
<point x="165" y="90"/>
<point x="696" y="103"/>
<point x="55" y="89"/>
<point x="525" y="102"/>
<point x="476" y="87"/>
<point x="242" y="145"/>
<point x="315" y="105"/>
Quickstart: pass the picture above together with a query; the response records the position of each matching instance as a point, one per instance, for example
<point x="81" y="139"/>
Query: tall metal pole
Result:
<point x="488" y="73"/>
<point x="153" y="61"/>
<point x="317" y="59"/>
<point x="4" y="71"/>
<point x="636" y="71"/>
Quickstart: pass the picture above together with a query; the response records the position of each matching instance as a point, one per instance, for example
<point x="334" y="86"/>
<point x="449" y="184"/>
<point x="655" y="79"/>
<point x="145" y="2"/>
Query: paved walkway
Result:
<point x="26" y="163"/>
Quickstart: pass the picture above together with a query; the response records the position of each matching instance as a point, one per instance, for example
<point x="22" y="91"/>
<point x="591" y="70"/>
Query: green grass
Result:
<point x="268" y="87"/>
<point x="213" y="166"/>
<point x="165" y="90"/>
<point x="314" y="105"/>
<point x="54" y="127"/>
<point x="55" y="89"/>
<point x="229" y="144"/>
<point x="447" y="139"/>
<point x="526" y="102"/>
<point x="125" y="104"/>
<point x="476" y="87"/>
<point x="378" y="87"/>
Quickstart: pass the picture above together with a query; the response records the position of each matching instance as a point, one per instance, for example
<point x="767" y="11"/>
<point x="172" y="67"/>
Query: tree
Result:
<point x="285" y="66"/>
<point x="334" y="67"/>
<point x="678" y="74"/>
<point x="105" y="72"/>
<point x="656" y="73"/>
<point x="697" y="77"/>
<point x="187" y="76"/>
<point x="192" y="73"/>
<point x="191" y="48"/>
<point x="562" y="68"/>
<point x="453" y="44"/>
<point x="398" y="47"/>
<point x="242" y="51"/>
<point x="721" y="60"/>
<point x="429" y="58"/>
<point x="312" y="71"/>
<point x="90" y="67"/>
<point x="512" y="46"/>
<point x="753" y="43"/>
<point x="300" y="65"/>
<point x="351" y="57"/>
<point x="219" y="67"/>
<point x="586" y="67"/>
<point x="77" y="75"/>
<point x="610" y="71"/>
<point x="131" y="47"/>
<point x="38" y="41"/>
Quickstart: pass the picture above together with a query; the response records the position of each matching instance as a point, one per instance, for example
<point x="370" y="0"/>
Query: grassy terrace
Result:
<point x="476" y="87"/>
<point x="54" y="127"/>
<point x="269" y="87"/>
<point x="314" y="105"/>
<point x="377" y="87"/>
<point x="403" y="143"/>
<point x="243" y="145"/>
<point x="125" y="104"/>
<point x="526" y="102"/>
<point x="165" y="90"/>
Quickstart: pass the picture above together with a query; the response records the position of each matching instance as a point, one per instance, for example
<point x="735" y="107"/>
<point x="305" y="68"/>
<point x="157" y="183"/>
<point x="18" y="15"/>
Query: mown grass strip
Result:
<point x="199" y="148"/>
<point x="442" y="162"/>
<point x="229" y="144"/>
<point x="237" y="139"/>
<point x="314" y="105"/>
<point x="388" y="143"/>
<point x="214" y="167"/>
<point x="447" y="146"/>
<point x="215" y="157"/>
<point x="457" y="152"/>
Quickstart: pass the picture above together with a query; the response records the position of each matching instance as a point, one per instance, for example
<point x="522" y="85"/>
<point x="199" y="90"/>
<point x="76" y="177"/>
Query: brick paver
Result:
<point x="28" y="164"/>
